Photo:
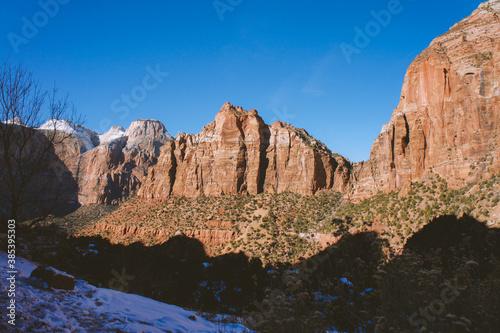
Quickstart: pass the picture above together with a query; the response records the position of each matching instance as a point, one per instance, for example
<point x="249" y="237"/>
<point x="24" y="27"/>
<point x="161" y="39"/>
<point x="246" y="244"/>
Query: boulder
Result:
<point x="54" y="278"/>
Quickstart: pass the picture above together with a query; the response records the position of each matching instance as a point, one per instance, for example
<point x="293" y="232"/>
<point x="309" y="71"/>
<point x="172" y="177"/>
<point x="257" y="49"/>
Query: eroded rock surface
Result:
<point x="448" y="118"/>
<point x="239" y="153"/>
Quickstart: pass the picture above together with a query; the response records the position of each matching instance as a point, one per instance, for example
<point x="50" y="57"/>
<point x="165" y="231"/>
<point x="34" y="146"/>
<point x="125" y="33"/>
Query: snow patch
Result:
<point x="87" y="139"/>
<point x="90" y="309"/>
<point x="15" y="121"/>
<point x="114" y="133"/>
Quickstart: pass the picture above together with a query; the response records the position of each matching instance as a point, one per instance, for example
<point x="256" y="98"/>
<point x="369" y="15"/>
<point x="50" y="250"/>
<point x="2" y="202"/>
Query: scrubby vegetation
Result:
<point x="301" y="263"/>
<point x="446" y="279"/>
<point x="287" y="226"/>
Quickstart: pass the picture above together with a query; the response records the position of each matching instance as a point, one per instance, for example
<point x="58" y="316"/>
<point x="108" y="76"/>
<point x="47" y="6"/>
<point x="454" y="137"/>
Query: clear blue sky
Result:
<point x="280" y="57"/>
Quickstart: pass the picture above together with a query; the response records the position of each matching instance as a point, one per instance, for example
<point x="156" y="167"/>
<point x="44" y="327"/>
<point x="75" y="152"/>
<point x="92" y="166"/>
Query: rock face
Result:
<point x="113" y="170"/>
<point x="447" y="122"/>
<point x="239" y="153"/>
<point x="127" y="234"/>
<point x="448" y="118"/>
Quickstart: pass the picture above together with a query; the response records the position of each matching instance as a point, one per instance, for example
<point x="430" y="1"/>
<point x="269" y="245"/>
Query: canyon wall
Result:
<point x="447" y="122"/>
<point x="239" y="153"/>
<point x="108" y="168"/>
<point x="448" y="118"/>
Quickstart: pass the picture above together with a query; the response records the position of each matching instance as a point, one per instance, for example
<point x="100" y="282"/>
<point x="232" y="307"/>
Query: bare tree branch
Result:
<point x="27" y="153"/>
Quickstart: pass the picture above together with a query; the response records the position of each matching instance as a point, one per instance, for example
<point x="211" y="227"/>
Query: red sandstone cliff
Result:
<point x="448" y="119"/>
<point x="238" y="152"/>
<point x="110" y="167"/>
<point x="447" y="122"/>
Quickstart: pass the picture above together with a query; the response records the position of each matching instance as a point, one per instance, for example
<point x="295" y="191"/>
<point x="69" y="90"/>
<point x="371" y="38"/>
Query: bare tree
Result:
<point x="26" y="153"/>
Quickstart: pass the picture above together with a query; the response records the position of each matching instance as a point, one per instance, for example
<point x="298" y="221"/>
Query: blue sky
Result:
<point x="283" y="58"/>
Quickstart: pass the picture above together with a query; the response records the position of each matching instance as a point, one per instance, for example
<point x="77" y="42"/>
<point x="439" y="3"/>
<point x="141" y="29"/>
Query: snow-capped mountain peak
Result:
<point x="87" y="138"/>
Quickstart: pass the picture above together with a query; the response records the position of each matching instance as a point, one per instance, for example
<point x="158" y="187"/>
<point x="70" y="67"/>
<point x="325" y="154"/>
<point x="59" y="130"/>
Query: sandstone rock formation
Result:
<point x="130" y="233"/>
<point x="239" y="153"/>
<point x="112" y="169"/>
<point x="448" y="118"/>
<point x="447" y="122"/>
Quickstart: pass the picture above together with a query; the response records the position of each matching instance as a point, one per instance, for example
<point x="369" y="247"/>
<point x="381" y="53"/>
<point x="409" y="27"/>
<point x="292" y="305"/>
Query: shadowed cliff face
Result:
<point x="448" y="118"/>
<point x="34" y="180"/>
<point x="239" y="153"/>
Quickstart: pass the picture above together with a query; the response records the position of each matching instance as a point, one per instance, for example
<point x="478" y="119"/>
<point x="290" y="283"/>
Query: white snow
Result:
<point x="15" y="121"/>
<point x="91" y="309"/>
<point x="58" y="272"/>
<point x="114" y="133"/>
<point x="142" y="130"/>
<point x="86" y="137"/>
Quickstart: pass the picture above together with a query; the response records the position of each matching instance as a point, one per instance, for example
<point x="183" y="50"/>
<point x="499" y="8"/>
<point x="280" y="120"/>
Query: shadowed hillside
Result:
<point x="353" y="284"/>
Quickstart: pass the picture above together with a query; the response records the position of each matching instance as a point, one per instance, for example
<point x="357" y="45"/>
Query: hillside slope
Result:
<point x="91" y="309"/>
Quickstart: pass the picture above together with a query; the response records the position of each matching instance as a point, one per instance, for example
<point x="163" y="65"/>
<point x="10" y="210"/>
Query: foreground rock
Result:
<point x="239" y="153"/>
<point x="54" y="278"/>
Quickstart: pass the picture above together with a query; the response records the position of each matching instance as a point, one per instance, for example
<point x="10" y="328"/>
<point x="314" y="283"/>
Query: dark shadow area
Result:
<point x="450" y="238"/>
<point x="329" y="289"/>
<point x="445" y="280"/>
<point x="177" y="271"/>
<point x="34" y="181"/>
<point x="264" y="159"/>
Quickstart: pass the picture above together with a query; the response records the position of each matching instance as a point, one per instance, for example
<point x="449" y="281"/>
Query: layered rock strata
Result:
<point x="239" y="153"/>
<point x="448" y="118"/>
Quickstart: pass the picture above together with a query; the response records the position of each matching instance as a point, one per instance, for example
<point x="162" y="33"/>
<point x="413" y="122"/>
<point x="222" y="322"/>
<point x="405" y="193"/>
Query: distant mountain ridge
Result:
<point x="447" y="123"/>
<point x="109" y="167"/>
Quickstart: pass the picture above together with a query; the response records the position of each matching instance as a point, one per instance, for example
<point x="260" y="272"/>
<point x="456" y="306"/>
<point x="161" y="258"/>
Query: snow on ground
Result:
<point x="87" y="138"/>
<point x="91" y="309"/>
